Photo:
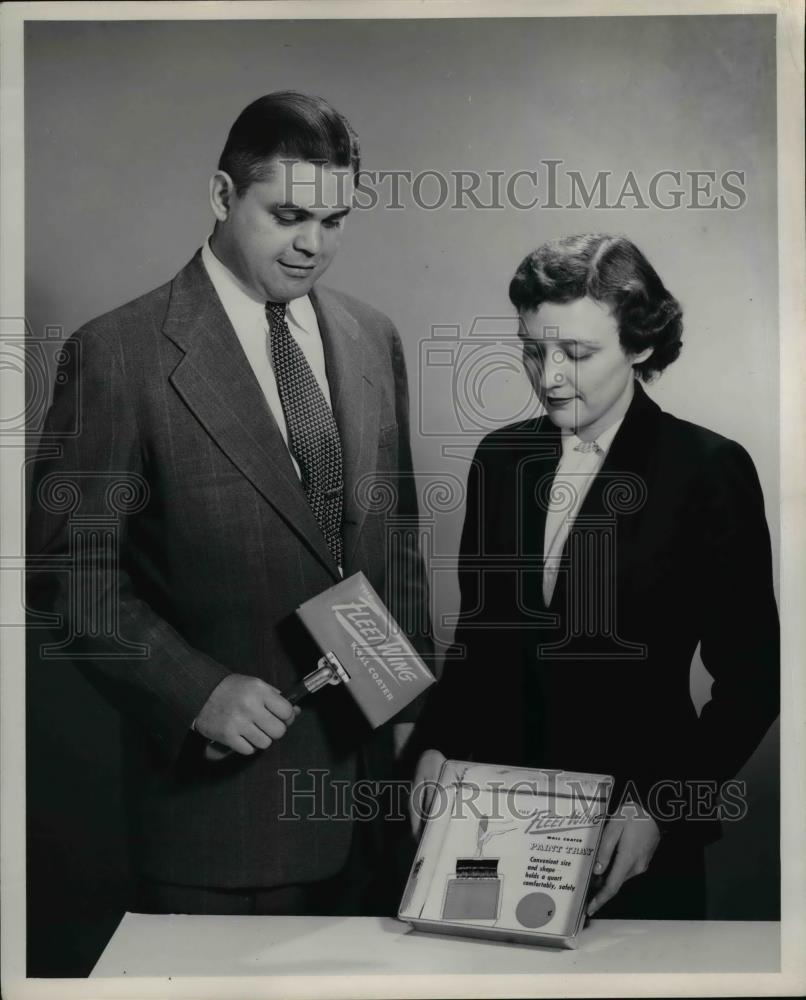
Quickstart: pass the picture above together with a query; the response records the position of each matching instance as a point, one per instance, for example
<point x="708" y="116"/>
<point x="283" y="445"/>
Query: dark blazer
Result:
<point x="670" y="549"/>
<point x="178" y="452"/>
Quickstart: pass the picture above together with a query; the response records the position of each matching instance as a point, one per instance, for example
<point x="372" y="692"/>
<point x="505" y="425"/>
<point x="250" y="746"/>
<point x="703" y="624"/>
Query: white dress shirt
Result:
<point x="248" y="317"/>
<point x="572" y="480"/>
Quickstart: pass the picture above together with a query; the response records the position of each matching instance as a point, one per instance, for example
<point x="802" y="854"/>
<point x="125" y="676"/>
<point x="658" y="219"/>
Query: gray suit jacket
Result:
<point x="172" y="542"/>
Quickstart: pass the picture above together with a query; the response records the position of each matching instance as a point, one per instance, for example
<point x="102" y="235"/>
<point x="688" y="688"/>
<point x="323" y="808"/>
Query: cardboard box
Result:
<point x="507" y="853"/>
<point x="383" y="672"/>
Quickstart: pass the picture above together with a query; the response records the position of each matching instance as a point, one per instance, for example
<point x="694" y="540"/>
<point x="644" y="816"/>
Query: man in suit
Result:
<point x="602" y="543"/>
<point x="233" y="424"/>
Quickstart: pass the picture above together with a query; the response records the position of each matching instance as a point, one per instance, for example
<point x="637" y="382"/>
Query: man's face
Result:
<point x="280" y="236"/>
<point x="577" y="366"/>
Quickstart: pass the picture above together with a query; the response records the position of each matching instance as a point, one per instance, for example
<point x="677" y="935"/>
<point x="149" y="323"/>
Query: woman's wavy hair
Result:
<point x="612" y="270"/>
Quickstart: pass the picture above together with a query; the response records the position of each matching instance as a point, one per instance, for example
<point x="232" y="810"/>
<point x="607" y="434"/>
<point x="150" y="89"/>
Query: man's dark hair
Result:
<point x="611" y="270"/>
<point x="288" y="125"/>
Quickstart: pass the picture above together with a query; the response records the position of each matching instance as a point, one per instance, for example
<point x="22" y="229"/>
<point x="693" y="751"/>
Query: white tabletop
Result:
<point x="147" y="945"/>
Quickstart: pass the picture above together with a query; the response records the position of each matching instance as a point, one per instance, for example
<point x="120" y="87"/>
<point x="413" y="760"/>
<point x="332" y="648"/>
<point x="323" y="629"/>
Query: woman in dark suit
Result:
<point x="602" y="543"/>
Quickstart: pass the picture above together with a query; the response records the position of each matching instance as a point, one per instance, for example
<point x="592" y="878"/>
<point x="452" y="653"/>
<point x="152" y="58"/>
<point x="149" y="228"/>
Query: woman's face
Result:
<point x="577" y="366"/>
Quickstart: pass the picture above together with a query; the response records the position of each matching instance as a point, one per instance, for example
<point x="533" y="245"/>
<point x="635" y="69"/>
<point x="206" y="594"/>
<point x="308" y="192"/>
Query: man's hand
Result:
<point x="628" y="843"/>
<point x="245" y="714"/>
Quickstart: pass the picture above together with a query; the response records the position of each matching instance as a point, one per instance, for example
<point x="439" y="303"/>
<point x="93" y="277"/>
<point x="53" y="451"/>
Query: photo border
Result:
<point x="792" y="978"/>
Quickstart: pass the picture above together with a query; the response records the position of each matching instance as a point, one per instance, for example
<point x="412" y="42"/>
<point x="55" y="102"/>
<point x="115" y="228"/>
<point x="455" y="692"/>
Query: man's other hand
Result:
<point x="245" y="714"/>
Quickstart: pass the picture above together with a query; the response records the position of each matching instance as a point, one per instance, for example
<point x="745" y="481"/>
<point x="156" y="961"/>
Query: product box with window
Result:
<point x="507" y="853"/>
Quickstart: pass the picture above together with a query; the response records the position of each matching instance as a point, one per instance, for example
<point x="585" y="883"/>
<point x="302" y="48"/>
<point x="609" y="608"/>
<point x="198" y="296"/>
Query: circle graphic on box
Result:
<point x="535" y="909"/>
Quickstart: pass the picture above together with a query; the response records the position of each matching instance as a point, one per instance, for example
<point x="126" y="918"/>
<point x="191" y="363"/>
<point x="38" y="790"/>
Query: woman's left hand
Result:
<point x="628" y="843"/>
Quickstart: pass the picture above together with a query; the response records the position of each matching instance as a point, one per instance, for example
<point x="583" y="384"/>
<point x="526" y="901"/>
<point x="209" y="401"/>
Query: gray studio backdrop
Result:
<point x="124" y="123"/>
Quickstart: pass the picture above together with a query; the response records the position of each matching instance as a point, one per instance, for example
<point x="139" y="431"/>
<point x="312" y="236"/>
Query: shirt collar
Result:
<point x="239" y="300"/>
<point x="603" y="440"/>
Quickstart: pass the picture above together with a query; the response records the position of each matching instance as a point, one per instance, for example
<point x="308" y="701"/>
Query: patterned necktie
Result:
<point x="313" y="437"/>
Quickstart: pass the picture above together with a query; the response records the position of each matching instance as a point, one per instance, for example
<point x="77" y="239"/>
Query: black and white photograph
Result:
<point x="402" y="447"/>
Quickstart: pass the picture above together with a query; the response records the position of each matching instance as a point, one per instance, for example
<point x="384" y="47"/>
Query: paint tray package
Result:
<point x="507" y="853"/>
<point x="379" y="666"/>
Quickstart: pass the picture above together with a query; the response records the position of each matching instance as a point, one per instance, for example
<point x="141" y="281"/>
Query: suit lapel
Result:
<point x="355" y="406"/>
<point x="619" y="489"/>
<point x="218" y="385"/>
<point x="535" y="477"/>
<point x="627" y="460"/>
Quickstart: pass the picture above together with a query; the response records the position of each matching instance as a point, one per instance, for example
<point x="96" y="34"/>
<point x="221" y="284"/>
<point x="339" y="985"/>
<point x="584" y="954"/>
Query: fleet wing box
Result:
<point x="507" y="853"/>
<point x="382" y="670"/>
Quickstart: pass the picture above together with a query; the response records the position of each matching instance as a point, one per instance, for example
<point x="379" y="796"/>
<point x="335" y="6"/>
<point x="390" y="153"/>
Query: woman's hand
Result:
<point x="628" y="844"/>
